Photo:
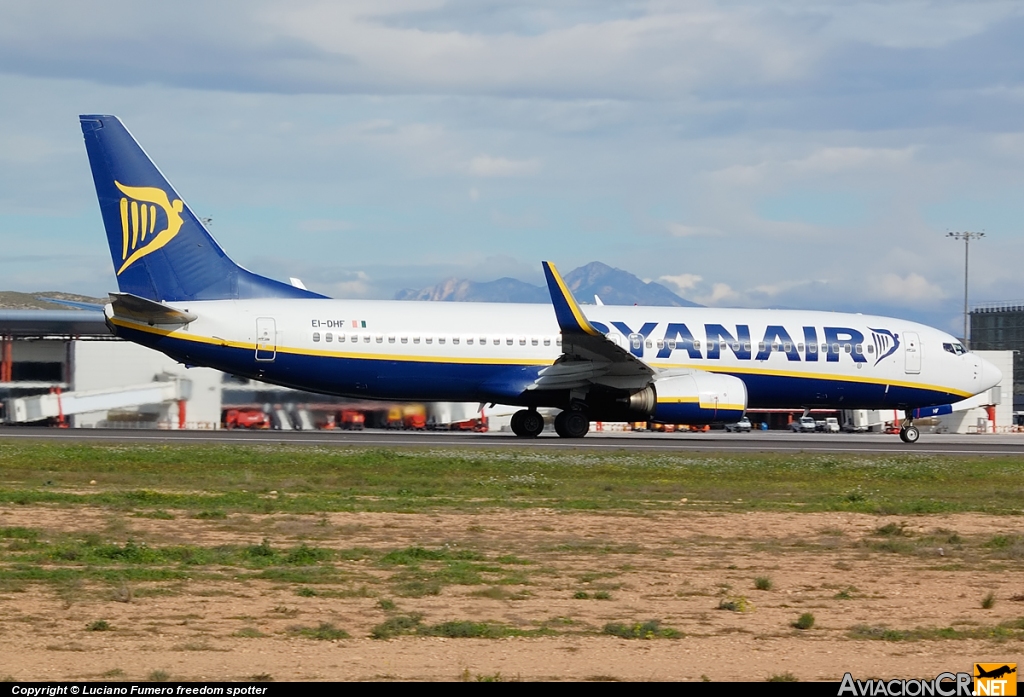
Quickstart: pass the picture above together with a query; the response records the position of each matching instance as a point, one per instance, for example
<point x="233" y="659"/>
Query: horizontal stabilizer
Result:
<point x="136" y="309"/>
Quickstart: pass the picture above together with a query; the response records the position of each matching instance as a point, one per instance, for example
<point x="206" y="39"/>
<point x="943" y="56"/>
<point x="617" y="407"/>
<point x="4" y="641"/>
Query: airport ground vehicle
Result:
<point x="181" y="294"/>
<point x="352" y="420"/>
<point x="805" y="424"/>
<point x="741" y="426"/>
<point x="827" y="425"/>
<point x="246" y="418"/>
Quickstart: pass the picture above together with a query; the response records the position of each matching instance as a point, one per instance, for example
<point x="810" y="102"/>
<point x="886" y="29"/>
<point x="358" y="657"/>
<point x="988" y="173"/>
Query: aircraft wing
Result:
<point x="588" y="356"/>
<point x="142" y="310"/>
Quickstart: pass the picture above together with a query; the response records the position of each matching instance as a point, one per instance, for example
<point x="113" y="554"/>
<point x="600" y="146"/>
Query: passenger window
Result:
<point x="405" y="340"/>
<point x="672" y="343"/>
<point x="736" y="346"/>
<point x="391" y="339"/>
<point x="366" y="338"/>
<point x="455" y="340"/>
<point x="328" y="337"/>
<point x="469" y="341"/>
<point x="746" y="345"/>
<point x="787" y="347"/>
<point x="835" y="348"/>
<point x="380" y="339"/>
<point x="800" y="347"/>
<point x="354" y="338"/>
<point x="429" y="339"/>
<point x="509" y="341"/>
<point x="812" y="348"/>
<point x="558" y="341"/>
<point x="522" y="341"/>
<point x="858" y="349"/>
<point x="496" y="341"/>
<point x="661" y="343"/>
<point x="316" y="336"/>
<point x="415" y="340"/>
<point x="534" y="341"/>
<point x="761" y="346"/>
<point x="440" y="339"/>
<point x="847" y="347"/>
<point x="547" y="341"/>
<point x="483" y="341"/>
<point x="648" y="343"/>
<point x="824" y="348"/>
<point x="871" y="349"/>
<point x="696" y="344"/>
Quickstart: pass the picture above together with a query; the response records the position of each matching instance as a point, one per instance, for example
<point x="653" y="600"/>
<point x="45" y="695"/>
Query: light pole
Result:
<point x="966" y="237"/>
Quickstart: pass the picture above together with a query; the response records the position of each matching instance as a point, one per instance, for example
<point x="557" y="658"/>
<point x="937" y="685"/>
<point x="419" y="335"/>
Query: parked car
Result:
<point x="743" y="425"/>
<point x="805" y="424"/>
<point x="828" y="425"/>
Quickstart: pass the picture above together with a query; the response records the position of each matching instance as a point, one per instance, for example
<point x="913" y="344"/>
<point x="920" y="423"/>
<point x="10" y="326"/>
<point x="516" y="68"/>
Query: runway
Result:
<point x="715" y="441"/>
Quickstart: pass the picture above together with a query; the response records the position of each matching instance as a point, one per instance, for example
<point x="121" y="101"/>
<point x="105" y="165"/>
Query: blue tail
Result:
<point x="160" y="249"/>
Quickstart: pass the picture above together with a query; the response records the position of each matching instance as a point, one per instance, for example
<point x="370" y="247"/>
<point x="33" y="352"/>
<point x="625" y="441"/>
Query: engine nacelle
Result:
<point x="699" y="397"/>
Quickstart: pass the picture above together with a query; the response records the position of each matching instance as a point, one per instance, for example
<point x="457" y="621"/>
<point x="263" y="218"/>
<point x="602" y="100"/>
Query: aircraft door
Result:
<point x="912" y="349"/>
<point x="266" y="339"/>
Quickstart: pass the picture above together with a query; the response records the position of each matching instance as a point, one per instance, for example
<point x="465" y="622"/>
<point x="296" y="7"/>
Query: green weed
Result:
<point x="650" y="629"/>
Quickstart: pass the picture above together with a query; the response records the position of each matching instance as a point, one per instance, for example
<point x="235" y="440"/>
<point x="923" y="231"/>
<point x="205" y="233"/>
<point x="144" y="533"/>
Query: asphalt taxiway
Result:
<point x="715" y="441"/>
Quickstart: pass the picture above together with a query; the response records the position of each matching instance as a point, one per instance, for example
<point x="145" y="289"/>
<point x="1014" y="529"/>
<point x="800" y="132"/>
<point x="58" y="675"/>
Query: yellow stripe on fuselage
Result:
<point x="731" y="370"/>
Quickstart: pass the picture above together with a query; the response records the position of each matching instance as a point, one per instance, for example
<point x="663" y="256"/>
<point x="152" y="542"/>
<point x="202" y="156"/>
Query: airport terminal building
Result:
<point x="999" y="326"/>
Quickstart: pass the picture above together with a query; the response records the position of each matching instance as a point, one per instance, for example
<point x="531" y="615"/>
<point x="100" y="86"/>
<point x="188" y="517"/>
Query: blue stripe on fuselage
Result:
<point x="382" y="378"/>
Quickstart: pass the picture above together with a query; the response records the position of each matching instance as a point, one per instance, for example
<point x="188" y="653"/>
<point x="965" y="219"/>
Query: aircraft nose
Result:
<point x="988" y="375"/>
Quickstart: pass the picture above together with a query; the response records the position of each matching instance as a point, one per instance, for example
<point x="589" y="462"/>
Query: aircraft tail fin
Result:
<point x="160" y="249"/>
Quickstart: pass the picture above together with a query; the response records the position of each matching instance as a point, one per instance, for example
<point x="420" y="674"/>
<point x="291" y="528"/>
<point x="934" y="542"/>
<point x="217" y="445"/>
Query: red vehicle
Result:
<point x="353" y="420"/>
<point x="415" y="421"/>
<point x="475" y="425"/>
<point x="245" y="418"/>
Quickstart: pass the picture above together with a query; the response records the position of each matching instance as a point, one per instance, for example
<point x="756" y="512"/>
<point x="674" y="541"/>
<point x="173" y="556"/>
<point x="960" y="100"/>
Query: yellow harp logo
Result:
<point x="140" y="207"/>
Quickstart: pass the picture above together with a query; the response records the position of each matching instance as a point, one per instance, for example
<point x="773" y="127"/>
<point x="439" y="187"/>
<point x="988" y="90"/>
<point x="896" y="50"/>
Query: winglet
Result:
<point x="570" y="317"/>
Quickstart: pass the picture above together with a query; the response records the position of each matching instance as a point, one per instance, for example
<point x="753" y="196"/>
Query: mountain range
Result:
<point x="613" y="286"/>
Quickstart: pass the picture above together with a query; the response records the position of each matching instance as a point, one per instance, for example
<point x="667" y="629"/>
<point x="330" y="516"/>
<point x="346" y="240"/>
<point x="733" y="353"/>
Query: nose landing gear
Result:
<point x="908" y="431"/>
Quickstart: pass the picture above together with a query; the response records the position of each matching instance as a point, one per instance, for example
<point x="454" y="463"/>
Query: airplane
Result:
<point x="181" y="294"/>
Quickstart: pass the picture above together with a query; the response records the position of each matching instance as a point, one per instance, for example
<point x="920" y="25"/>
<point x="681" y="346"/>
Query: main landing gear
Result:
<point x="572" y="424"/>
<point x="908" y="431"/>
<point x="527" y="423"/>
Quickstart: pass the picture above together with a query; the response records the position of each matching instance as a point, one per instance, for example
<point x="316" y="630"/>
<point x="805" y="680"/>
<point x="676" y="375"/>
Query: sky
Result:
<point x="789" y="154"/>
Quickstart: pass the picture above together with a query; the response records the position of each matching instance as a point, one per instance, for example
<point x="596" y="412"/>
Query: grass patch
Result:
<point x="989" y="601"/>
<point x="325" y="631"/>
<point x="249" y="633"/>
<point x="152" y="477"/>
<point x="396" y="626"/>
<point x="651" y="629"/>
<point x="1012" y="629"/>
<point x="737" y="603"/>
<point x="782" y="677"/>
<point x="804" y="621"/>
<point x="763" y="583"/>
<point x="98" y="626"/>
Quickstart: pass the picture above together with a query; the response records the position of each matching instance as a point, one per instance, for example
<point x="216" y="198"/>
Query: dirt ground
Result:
<point x="675" y="566"/>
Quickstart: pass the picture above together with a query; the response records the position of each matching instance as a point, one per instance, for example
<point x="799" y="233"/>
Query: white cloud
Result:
<point x="487" y="166"/>
<point x="910" y="288"/>
<point x="684" y="282"/>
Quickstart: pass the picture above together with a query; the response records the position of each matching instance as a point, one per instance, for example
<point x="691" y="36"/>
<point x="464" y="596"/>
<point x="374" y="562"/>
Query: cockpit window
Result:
<point x="956" y="348"/>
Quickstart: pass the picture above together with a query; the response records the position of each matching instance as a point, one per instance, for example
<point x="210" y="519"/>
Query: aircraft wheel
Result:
<point x="516" y="423"/>
<point x="572" y="424"/>
<point x="531" y="423"/>
<point x="909" y="434"/>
